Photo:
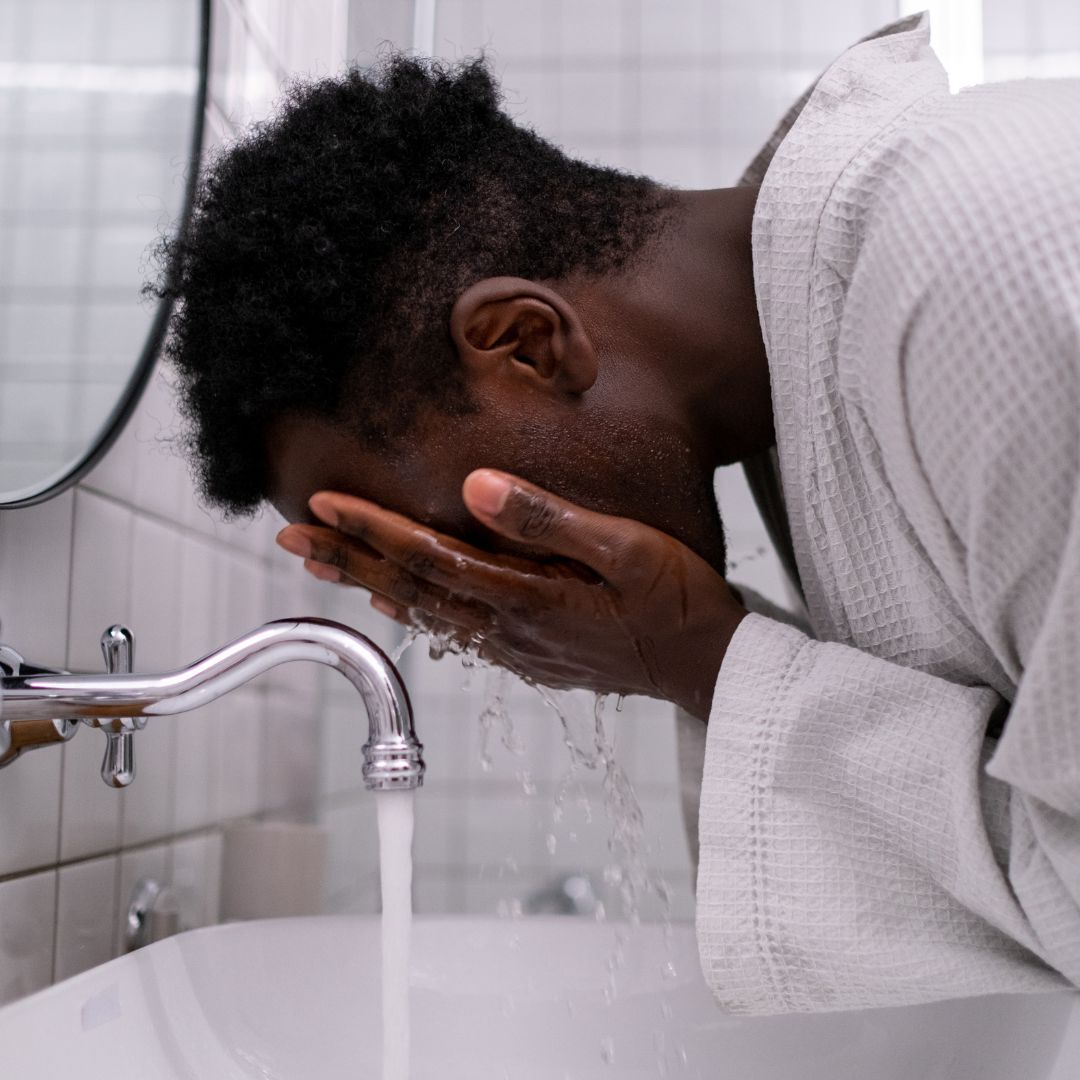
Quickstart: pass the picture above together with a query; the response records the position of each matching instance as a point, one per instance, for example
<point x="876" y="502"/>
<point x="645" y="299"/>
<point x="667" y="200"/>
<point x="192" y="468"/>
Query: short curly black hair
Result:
<point x="326" y="248"/>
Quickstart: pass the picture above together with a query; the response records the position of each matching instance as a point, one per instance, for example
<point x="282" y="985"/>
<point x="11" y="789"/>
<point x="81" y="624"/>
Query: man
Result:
<point x="407" y="323"/>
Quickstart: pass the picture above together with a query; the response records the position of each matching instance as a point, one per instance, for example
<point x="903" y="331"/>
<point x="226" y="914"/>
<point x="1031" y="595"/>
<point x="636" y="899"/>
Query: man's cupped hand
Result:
<point x="609" y="604"/>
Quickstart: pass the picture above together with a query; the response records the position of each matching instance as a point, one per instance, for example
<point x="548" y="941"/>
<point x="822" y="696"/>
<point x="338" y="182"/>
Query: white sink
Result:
<point x="298" y="999"/>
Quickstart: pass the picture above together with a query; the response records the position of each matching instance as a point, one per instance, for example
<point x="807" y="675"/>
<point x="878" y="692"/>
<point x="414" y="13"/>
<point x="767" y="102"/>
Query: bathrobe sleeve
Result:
<point x="862" y="841"/>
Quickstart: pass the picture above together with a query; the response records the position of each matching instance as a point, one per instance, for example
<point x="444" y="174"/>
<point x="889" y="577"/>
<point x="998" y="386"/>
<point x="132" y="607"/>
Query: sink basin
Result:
<point x="298" y="999"/>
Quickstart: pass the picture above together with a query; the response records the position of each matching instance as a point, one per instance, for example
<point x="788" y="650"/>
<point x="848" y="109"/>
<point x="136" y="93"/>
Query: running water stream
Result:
<point x="589" y="736"/>
<point x="395" y="813"/>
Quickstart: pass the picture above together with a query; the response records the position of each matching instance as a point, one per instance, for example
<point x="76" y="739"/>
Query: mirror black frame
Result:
<point x="132" y="392"/>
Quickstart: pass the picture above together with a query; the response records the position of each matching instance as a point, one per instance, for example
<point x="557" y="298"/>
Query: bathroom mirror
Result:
<point x="101" y="116"/>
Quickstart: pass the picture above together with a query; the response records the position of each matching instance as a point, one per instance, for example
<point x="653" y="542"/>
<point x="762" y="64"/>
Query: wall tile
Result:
<point x="670" y="104"/>
<point x="352" y="855"/>
<point x="645" y="743"/>
<point x="100" y="596"/>
<point x="100" y="576"/>
<point x="517" y="31"/>
<point x="344" y="732"/>
<point x="86" y="915"/>
<point x="30" y="809"/>
<point x="596" y="28"/>
<point x="35" y="578"/>
<point x="27" y="916"/>
<point x="598" y="104"/>
<point x="162" y="483"/>
<point x="438" y="840"/>
<point x="240" y="744"/>
<point x="739" y="28"/>
<point x="198" y="767"/>
<point x="505" y="826"/>
<point x="291" y="733"/>
<point x="673" y="29"/>
<point x="196" y="877"/>
<point x="156" y="603"/>
<point x="115" y="474"/>
<point x="828" y="29"/>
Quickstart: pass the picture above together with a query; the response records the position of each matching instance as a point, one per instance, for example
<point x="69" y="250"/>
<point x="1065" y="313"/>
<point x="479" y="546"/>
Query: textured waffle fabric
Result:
<point x="862" y="841"/>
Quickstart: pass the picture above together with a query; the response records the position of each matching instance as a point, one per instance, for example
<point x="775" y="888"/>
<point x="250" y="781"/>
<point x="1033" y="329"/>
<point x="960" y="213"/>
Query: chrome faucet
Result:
<point x="121" y="703"/>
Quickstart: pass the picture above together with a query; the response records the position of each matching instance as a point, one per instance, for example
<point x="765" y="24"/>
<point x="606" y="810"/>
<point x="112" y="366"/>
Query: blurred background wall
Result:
<point x="683" y="90"/>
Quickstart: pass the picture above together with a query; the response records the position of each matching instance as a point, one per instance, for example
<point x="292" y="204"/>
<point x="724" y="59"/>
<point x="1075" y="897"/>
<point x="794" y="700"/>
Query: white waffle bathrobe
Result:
<point x="862" y="842"/>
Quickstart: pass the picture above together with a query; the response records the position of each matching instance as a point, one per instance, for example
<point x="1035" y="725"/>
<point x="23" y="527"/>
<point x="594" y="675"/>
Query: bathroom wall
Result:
<point x="1037" y="39"/>
<point x="130" y="544"/>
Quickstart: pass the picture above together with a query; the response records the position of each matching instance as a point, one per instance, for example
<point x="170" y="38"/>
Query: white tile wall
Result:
<point x="131" y="545"/>
<point x="86" y="915"/>
<point x="1039" y="39"/>
<point x="27" y="922"/>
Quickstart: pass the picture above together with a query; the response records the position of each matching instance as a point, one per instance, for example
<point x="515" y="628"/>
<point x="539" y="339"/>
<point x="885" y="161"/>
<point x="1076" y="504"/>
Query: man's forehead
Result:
<point x="306" y="455"/>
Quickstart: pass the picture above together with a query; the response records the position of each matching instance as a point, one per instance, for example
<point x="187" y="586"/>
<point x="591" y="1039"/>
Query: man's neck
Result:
<point x="691" y="300"/>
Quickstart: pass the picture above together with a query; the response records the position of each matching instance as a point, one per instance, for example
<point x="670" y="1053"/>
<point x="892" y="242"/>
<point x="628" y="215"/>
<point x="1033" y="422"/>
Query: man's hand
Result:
<point x="619" y="608"/>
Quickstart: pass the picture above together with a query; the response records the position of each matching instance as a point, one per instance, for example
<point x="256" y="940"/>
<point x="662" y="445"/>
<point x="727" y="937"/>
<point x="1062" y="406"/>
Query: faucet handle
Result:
<point x="118" y="765"/>
<point x="118" y="648"/>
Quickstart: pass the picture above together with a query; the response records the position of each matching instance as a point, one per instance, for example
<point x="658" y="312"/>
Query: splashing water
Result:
<point x="590" y="740"/>
<point x="395" y="814"/>
<point x="607" y="1050"/>
<point x="589" y="737"/>
<point x="496" y="715"/>
<point x="399" y="650"/>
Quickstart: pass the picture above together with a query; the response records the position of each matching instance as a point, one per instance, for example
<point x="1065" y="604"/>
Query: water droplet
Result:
<point x="619" y="702"/>
<point x="551" y="843"/>
<point x="411" y="634"/>
<point x="507" y="1005"/>
<point x="665" y="1009"/>
<point x="486" y="763"/>
<point x="607" y="1050"/>
<point x="668" y="971"/>
<point x="683" y="1057"/>
<point x="528" y="785"/>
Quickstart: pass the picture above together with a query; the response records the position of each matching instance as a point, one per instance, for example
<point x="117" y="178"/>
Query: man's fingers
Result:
<point x="450" y="564"/>
<point x="391" y="611"/>
<point x="522" y="511"/>
<point x="331" y="557"/>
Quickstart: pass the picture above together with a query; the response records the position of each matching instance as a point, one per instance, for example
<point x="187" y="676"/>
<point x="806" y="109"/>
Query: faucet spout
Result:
<point x="392" y="754"/>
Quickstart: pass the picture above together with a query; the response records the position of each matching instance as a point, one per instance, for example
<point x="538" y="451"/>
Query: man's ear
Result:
<point x="512" y="326"/>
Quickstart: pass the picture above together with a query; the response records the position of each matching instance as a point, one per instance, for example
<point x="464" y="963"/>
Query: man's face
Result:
<point x="611" y="450"/>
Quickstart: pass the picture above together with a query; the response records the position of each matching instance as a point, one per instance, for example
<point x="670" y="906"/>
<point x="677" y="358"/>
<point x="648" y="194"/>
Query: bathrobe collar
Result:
<point x="863" y="91"/>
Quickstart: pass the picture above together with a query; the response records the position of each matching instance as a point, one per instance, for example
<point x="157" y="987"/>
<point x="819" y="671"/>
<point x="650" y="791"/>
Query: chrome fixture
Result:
<point x="121" y="703"/>
<point x="118" y="765"/>
<point x="152" y="914"/>
<point x="572" y="895"/>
